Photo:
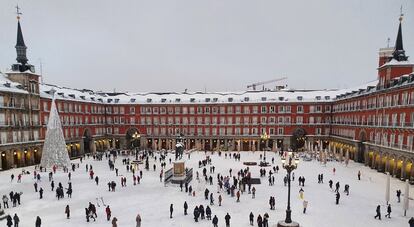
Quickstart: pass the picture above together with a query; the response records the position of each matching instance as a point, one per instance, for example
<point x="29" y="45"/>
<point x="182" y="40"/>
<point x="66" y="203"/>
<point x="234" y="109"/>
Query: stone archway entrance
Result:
<point x="87" y="141"/>
<point x="298" y="139"/>
<point x="361" y="147"/>
<point x="133" y="138"/>
<point x="4" y="163"/>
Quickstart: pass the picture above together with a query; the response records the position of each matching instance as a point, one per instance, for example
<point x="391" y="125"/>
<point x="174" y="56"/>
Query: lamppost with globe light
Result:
<point x="289" y="163"/>
<point x="264" y="138"/>
<point x="136" y="136"/>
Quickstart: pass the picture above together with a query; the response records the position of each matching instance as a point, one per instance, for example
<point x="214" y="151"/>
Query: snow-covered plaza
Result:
<point x="151" y="199"/>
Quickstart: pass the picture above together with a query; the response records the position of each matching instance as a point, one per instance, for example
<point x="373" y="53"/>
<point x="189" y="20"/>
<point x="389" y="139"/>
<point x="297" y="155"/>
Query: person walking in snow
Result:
<point x="41" y="193"/>
<point x="359" y="175"/>
<point x="16" y="220"/>
<point x="259" y="221"/>
<point x="251" y="218"/>
<point x="208" y="213"/>
<point x="337" y="198"/>
<point x="114" y="220"/>
<point x="196" y="214"/>
<point x="305" y="205"/>
<point x="399" y="195"/>
<point x="411" y="222"/>
<point x="185" y="207"/>
<point x="330" y="184"/>
<point x="346" y="189"/>
<point x="5" y="202"/>
<point x="108" y="213"/>
<point x="220" y="199"/>
<point x="9" y="221"/>
<point x="171" y="210"/>
<point x="388" y="211"/>
<point x="67" y="211"/>
<point x="337" y="187"/>
<point x="227" y="219"/>
<point x="215" y="221"/>
<point x="253" y="192"/>
<point x="378" y="210"/>
<point x="138" y="220"/>
<point x="301" y="191"/>
<point x="38" y="222"/>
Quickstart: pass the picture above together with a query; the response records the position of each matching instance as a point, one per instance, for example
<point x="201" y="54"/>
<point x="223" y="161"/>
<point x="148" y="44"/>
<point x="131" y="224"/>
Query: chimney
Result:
<point x="385" y="54"/>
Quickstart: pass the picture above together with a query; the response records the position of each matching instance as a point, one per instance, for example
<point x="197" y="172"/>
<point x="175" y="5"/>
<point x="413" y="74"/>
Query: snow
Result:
<point x="191" y="98"/>
<point x="152" y="199"/>
<point x="394" y="62"/>
<point x="12" y="86"/>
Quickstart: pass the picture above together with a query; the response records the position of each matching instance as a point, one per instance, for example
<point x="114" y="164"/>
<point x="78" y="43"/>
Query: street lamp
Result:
<point x="290" y="163"/>
<point x="135" y="137"/>
<point x="264" y="138"/>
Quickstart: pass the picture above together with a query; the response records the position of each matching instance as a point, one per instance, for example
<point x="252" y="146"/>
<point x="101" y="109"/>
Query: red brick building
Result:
<point x="372" y="123"/>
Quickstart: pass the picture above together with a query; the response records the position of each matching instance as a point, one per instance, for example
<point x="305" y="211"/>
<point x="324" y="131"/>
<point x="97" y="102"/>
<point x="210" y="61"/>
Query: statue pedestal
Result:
<point x="284" y="224"/>
<point x="178" y="172"/>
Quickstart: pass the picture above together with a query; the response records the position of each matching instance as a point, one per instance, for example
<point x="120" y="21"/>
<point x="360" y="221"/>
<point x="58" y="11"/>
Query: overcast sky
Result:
<point x="217" y="45"/>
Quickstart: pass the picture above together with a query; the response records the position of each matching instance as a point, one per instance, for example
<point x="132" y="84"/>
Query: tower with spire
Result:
<point x="22" y="61"/>
<point x="393" y="62"/>
<point x="22" y="72"/>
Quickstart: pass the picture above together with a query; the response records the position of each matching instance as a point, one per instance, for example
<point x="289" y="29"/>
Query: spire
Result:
<point x="20" y="46"/>
<point x="399" y="52"/>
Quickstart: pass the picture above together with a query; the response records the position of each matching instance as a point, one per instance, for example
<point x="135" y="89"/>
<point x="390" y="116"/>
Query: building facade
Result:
<point x="372" y="124"/>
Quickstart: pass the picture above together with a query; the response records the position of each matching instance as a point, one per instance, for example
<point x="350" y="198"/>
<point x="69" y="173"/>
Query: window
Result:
<point x="280" y="131"/>
<point x="45" y="106"/>
<point x="318" y="131"/>
<point x="299" y="109"/>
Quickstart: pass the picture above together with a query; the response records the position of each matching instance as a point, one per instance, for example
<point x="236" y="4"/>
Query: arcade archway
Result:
<point x="87" y="141"/>
<point x="133" y="138"/>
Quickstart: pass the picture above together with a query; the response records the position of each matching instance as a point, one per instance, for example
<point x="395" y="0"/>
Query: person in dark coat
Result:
<point x="201" y="210"/>
<point x="337" y="198"/>
<point x="208" y="213"/>
<point x="251" y="218"/>
<point x="108" y="213"/>
<point x="388" y="211"/>
<point x="411" y="222"/>
<point x="259" y="221"/>
<point x="171" y="210"/>
<point x="227" y="219"/>
<point x="38" y="222"/>
<point x="9" y="222"/>
<point x="16" y="220"/>
<point x="41" y="193"/>
<point x="399" y="195"/>
<point x="185" y="208"/>
<point x="196" y="214"/>
<point x="215" y="221"/>
<point x="378" y="210"/>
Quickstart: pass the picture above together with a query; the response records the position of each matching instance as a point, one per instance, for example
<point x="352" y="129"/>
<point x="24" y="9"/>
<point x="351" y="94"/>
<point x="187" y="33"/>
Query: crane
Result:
<point x="264" y="82"/>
